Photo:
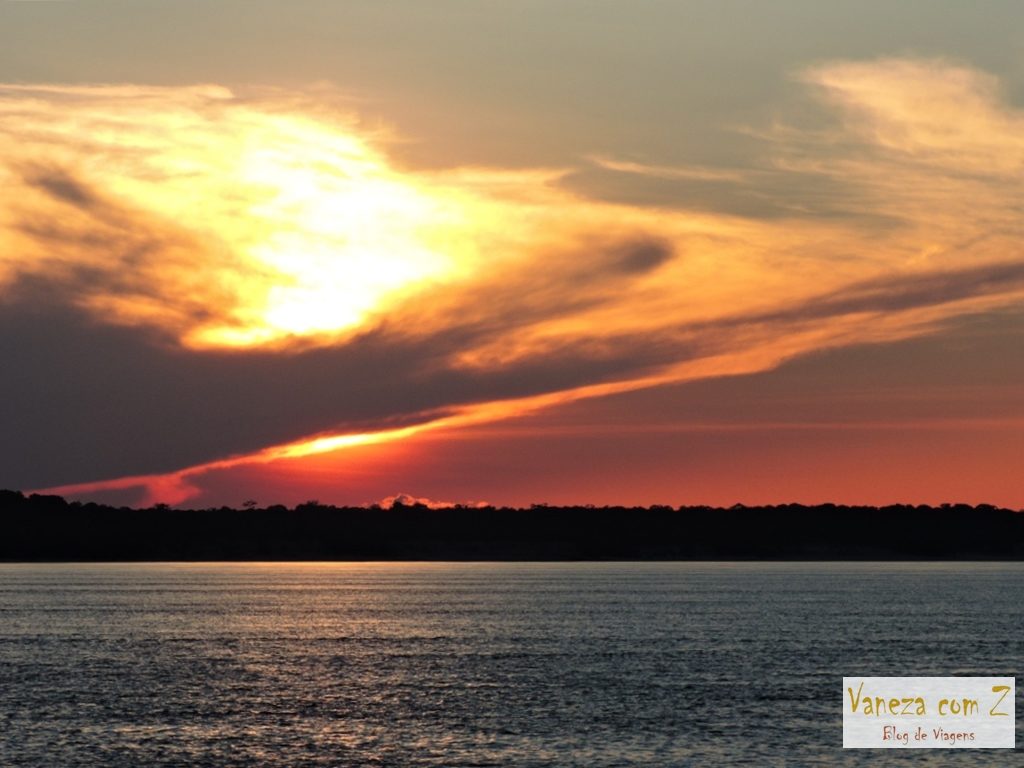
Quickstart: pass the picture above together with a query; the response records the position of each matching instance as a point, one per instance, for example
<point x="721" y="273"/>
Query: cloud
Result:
<point x="62" y="187"/>
<point x="407" y="500"/>
<point x="192" y="276"/>
<point x="933" y="112"/>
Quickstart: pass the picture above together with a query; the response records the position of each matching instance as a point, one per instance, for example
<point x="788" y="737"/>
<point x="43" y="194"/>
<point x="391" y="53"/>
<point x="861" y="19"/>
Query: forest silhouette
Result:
<point x="49" y="528"/>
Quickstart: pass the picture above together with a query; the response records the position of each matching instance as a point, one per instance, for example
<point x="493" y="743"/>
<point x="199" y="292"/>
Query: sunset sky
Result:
<point x="526" y="252"/>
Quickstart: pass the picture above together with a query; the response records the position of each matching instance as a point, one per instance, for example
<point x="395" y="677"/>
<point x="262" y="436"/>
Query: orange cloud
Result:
<point x="257" y="221"/>
<point x="407" y="500"/>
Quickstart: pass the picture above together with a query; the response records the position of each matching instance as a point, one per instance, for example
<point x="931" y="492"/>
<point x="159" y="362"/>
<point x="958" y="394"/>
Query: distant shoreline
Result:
<point x="49" y="529"/>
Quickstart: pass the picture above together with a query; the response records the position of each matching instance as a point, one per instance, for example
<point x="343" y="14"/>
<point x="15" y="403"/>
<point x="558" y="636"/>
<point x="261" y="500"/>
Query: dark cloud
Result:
<point x="82" y="401"/>
<point x="92" y="397"/>
<point x="756" y="194"/>
<point x="643" y="256"/>
<point x="926" y="418"/>
<point x="61" y="185"/>
<point x="971" y="368"/>
<point x="110" y="251"/>
<point x="897" y="293"/>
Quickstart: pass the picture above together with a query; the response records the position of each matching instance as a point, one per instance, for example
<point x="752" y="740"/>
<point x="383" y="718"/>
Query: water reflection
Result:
<point x="478" y="664"/>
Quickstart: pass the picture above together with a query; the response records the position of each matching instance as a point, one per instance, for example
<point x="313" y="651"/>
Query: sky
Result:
<point x="536" y="252"/>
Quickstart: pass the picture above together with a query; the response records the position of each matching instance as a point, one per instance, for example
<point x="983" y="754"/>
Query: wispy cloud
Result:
<point x="265" y="232"/>
<point x="407" y="500"/>
<point x="697" y="173"/>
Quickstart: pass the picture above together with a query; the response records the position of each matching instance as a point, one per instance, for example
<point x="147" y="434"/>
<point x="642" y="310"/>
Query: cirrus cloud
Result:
<point x="245" y="271"/>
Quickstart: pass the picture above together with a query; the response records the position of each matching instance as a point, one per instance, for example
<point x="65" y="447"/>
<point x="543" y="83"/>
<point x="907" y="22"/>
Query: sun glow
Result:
<point x="345" y="236"/>
<point x="448" y="297"/>
<point x="269" y="220"/>
<point x="258" y="226"/>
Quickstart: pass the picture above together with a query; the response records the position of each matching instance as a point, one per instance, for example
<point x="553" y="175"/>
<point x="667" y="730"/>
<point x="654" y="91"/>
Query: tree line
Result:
<point x="49" y="528"/>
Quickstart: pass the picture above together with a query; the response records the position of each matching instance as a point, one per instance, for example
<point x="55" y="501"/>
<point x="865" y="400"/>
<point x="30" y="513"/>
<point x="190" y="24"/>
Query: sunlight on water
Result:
<point x="478" y="664"/>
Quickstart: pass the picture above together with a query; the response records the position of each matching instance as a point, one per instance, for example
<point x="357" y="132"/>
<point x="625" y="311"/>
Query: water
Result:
<point x="664" y="664"/>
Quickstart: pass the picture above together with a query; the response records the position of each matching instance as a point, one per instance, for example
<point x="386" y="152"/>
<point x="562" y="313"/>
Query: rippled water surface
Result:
<point x="480" y="664"/>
